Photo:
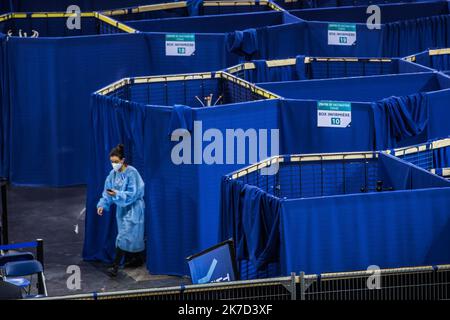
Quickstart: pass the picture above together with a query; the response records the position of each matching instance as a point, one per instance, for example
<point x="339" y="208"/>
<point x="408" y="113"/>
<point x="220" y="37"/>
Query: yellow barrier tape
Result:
<point x="115" y="23"/>
<point x="436" y="52"/>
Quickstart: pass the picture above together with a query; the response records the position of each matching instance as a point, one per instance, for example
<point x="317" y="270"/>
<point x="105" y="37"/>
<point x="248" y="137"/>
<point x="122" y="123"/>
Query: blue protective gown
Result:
<point x="129" y="188"/>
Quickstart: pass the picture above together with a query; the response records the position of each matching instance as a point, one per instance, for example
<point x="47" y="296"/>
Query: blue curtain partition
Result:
<point x="49" y="100"/>
<point x="396" y="117"/>
<point x="438" y="59"/>
<point x="74" y="63"/>
<point x="182" y="201"/>
<point x="405" y="29"/>
<point x="4" y="110"/>
<point x="266" y="35"/>
<point x="310" y="68"/>
<point x="142" y="116"/>
<point x="192" y="8"/>
<point x="309" y="4"/>
<point x="62" y="5"/>
<point x="49" y="113"/>
<point x="326" y="224"/>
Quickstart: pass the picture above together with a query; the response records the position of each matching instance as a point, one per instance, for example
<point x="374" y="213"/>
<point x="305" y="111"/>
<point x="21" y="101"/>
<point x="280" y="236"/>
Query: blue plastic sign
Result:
<point x="213" y="265"/>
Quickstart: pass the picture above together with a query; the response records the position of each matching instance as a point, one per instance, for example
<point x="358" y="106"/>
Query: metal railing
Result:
<point x="166" y="90"/>
<point x="429" y="156"/>
<point x="419" y="283"/>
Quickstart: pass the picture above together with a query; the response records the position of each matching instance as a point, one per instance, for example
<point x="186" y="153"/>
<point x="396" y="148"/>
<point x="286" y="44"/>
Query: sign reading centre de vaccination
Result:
<point x="341" y="34"/>
<point x="181" y="44"/>
<point x="334" y="114"/>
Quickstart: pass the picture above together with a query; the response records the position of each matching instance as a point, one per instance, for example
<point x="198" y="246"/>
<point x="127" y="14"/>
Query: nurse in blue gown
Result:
<point x="124" y="187"/>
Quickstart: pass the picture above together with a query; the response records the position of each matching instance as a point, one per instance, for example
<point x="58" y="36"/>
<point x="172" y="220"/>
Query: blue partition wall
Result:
<point x="130" y="114"/>
<point x="190" y="8"/>
<point x="50" y="80"/>
<point x="266" y="35"/>
<point x="309" y="68"/>
<point x="433" y="156"/>
<point x="48" y="114"/>
<point x="325" y="213"/>
<point x="435" y="59"/>
<point x="62" y="5"/>
<point x="309" y="4"/>
<point x="74" y="63"/>
<point x="386" y="112"/>
<point x="182" y="200"/>
<point x="405" y="29"/>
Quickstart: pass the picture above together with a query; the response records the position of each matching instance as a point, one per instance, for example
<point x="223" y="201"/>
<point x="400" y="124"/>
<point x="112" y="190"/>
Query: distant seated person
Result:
<point x="124" y="187"/>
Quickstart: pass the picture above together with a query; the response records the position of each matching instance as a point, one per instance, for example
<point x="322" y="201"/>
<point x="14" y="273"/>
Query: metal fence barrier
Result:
<point x="422" y="283"/>
<point x="419" y="283"/>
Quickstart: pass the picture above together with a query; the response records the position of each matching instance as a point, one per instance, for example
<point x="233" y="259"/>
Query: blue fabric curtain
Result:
<point x="251" y="217"/>
<point x="411" y="36"/>
<point x="49" y="117"/>
<point x="61" y="5"/>
<point x="125" y="125"/>
<point x="308" y="4"/>
<point x="263" y="73"/>
<point x="299" y="132"/>
<point x="440" y="62"/>
<point x="441" y="158"/>
<point x="282" y="39"/>
<point x="4" y="109"/>
<point x="368" y="42"/>
<point x="327" y="69"/>
<point x="438" y="113"/>
<point x="344" y="232"/>
<point x="398" y="119"/>
<point x="400" y="175"/>
<point x="210" y="54"/>
<point x="194" y="7"/>
<point x="243" y="43"/>
<point x="349" y="233"/>
<point x="195" y="187"/>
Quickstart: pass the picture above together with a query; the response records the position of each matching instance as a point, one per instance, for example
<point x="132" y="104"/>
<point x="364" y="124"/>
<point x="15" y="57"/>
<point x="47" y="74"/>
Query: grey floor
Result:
<point x="53" y="215"/>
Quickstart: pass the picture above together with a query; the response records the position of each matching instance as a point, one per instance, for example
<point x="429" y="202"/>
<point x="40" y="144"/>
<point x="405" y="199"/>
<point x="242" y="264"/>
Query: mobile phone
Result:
<point x="109" y="190"/>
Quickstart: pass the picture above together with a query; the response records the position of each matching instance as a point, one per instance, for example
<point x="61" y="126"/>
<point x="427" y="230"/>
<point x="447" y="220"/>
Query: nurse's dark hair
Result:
<point x="118" y="151"/>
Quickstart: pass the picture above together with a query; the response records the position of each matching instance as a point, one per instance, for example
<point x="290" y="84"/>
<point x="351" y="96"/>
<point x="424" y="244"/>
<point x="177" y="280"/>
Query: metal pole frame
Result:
<point x="4" y="237"/>
<point x="42" y="290"/>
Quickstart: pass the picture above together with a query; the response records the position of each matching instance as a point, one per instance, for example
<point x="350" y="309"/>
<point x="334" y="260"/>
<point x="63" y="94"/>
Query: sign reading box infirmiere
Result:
<point x="334" y="114"/>
<point x="181" y="44"/>
<point x="341" y="34"/>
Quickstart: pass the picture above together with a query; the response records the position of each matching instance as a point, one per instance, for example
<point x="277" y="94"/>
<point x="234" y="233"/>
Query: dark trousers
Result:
<point x="130" y="257"/>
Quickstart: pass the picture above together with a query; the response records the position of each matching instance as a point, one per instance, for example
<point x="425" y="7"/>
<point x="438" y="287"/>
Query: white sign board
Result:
<point x="341" y="34"/>
<point x="181" y="44"/>
<point x="334" y="114"/>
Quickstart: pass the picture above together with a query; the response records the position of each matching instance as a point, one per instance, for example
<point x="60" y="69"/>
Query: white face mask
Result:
<point x="116" y="166"/>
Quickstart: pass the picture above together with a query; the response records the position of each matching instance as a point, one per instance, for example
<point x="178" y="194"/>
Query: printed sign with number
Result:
<point x="341" y="34"/>
<point x="180" y="44"/>
<point x="334" y="114"/>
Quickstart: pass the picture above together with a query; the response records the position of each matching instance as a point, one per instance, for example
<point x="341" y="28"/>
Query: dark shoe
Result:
<point x="112" y="271"/>
<point x="134" y="263"/>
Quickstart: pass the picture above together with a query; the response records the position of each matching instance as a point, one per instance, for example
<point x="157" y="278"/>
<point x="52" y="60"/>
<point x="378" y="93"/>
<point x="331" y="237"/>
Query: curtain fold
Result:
<point x="399" y="118"/>
<point x="251" y="216"/>
<point x="441" y="158"/>
<point x="243" y="43"/>
<point x="411" y="36"/>
<point x="181" y="118"/>
<point x="194" y="7"/>
<point x="440" y="62"/>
